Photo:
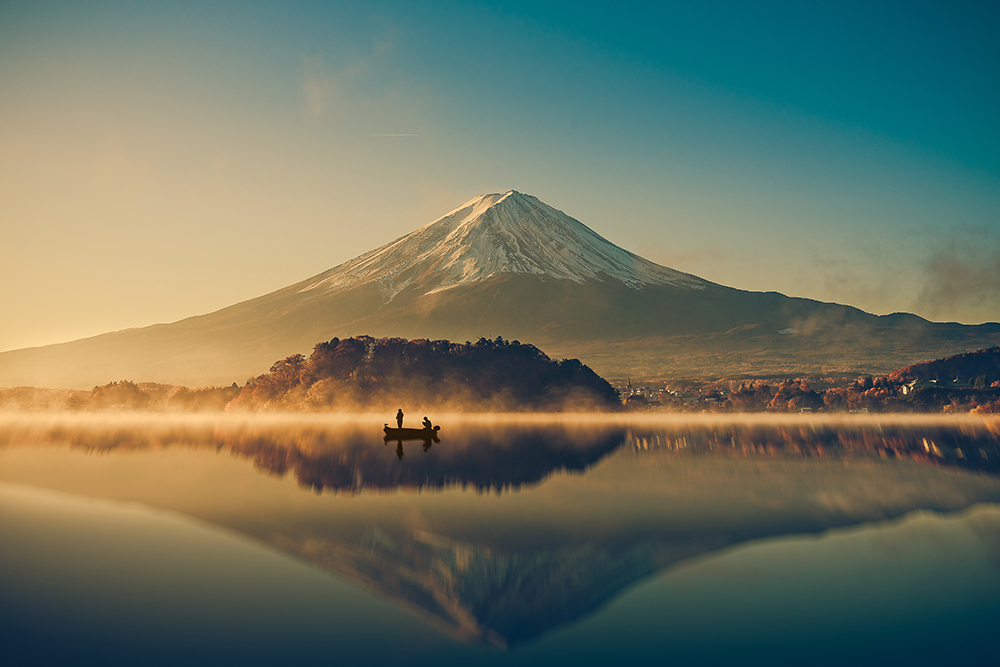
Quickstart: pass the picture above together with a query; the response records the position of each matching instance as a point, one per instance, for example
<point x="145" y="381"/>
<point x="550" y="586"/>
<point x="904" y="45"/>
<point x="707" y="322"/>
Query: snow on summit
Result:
<point x="494" y="234"/>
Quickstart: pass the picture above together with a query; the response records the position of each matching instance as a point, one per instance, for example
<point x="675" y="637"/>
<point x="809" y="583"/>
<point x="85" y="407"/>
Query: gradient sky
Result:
<point x="162" y="160"/>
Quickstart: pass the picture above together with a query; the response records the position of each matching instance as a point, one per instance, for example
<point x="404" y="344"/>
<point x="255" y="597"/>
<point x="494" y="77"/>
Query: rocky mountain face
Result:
<point x="510" y="265"/>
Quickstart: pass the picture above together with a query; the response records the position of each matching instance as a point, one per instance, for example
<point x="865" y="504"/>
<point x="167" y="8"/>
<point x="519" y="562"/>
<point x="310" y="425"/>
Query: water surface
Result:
<point x="277" y="541"/>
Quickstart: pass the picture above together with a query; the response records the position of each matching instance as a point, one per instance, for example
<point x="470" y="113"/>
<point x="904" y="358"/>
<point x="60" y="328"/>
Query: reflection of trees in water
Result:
<point x="351" y="459"/>
<point x="108" y="434"/>
<point x="487" y="459"/>
<point x="973" y="447"/>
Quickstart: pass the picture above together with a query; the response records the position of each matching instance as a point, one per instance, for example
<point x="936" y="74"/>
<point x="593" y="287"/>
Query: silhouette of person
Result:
<point x="427" y="423"/>
<point x="399" y="418"/>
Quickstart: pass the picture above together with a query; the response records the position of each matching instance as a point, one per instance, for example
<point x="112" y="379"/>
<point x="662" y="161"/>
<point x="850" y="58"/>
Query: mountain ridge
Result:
<point x="509" y="265"/>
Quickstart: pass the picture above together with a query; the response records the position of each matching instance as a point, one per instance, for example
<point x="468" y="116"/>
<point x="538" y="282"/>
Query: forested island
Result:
<point x="365" y="373"/>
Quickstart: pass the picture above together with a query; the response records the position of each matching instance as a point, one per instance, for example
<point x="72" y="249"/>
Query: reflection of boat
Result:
<point x="411" y="433"/>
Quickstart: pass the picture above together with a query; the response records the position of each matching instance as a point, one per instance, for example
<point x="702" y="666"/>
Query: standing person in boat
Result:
<point x="399" y="418"/>
<point x="427" y="424"/>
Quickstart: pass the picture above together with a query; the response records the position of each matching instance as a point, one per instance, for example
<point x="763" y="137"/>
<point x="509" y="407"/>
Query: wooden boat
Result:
<point x="411" y="433"/>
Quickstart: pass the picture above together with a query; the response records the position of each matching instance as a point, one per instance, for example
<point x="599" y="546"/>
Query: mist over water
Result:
<point x="507" y="538"/>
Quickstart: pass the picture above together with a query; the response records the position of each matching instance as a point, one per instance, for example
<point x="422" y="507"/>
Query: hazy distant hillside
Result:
<point x="509" y="265"/>
<point x="123" y="395"/>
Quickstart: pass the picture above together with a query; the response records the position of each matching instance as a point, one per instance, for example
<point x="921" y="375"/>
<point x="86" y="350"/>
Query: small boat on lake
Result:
<point x="411" y="433"/>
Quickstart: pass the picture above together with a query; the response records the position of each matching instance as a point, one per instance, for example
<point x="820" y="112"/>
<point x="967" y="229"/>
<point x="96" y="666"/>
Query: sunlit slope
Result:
<point x="613" y="328"/>
<point x="509" y="265"/>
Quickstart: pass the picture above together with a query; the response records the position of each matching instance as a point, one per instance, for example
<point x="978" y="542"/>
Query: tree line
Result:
<point x="965" y="383"/>
<point x="123" y="395"/>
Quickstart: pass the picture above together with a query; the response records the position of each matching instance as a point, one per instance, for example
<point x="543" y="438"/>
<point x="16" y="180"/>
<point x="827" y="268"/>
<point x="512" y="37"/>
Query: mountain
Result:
<point x="495" y="234"/>
<point x="510" y="265"/>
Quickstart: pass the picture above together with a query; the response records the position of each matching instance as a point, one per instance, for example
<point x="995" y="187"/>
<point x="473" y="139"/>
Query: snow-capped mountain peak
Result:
<point x="495" y="234"/>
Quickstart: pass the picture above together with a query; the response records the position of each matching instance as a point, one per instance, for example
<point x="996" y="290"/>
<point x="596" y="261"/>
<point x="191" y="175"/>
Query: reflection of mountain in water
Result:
<point x="484" y="594"/>
<point x="507" y="589"/>
<point x="508" y="582"/>
<point x="506" y="570"/>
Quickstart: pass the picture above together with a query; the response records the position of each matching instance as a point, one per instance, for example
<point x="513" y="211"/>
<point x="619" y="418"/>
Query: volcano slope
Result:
<point x="510" y="265"/>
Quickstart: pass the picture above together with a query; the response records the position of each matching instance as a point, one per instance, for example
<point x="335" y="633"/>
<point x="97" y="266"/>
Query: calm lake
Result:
<point x="166" y="540"/>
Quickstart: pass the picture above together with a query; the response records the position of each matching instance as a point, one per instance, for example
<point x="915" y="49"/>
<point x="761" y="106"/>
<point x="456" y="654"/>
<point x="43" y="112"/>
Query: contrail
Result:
<point x="397" y="134"/>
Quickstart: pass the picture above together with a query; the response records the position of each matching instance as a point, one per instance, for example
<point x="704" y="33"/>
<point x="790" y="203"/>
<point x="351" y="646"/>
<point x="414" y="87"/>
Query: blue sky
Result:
<point x="165" y="160"/>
